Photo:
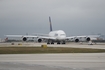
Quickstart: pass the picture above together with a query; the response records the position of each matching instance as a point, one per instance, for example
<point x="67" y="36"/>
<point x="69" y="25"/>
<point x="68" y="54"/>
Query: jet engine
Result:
<point x="88" y="39"/>
<point x="39" y="40"/>
<point x="76" y="40"/>
<point x="24" y="39"/>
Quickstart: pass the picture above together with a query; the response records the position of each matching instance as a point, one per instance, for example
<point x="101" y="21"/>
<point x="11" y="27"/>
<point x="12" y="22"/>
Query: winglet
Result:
<point x="50" y="23"/>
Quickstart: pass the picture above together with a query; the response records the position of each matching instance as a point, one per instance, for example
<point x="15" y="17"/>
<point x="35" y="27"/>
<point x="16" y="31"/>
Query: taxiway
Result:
<point x="66" y="61"/>
<point x="72" y="45"/>
<point x="72" y="61"/>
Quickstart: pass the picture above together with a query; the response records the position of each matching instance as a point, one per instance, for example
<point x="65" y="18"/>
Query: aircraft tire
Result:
<point x="58" y="42"/>
<point x="48" y="43"/>
<point x="52" y="42"/>
<point x="64" y="43"/>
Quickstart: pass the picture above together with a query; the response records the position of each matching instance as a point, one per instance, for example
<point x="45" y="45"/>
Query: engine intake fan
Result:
<point x="24" y="39"/>
<point x="76" y="40"/>
<point x="88" y="39"/>
<point x="39" y="40"/>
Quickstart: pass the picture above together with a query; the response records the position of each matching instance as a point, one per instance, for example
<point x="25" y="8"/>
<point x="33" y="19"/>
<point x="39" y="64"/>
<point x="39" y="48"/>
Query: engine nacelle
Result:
<point x="76" y="40"/>
<point x="24" y="39"/>
<point x="39" y="40"/>
<point x="88" y="39"/>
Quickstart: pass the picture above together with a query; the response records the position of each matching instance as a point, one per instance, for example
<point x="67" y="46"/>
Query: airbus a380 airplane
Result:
<point x="58" y="36"/>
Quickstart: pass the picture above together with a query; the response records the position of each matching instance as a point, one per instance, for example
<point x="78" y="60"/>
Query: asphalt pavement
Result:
<point x="66" y="61"/>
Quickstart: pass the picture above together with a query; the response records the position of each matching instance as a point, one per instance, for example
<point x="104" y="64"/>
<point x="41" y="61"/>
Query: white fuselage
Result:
<point x="58" y="34"/>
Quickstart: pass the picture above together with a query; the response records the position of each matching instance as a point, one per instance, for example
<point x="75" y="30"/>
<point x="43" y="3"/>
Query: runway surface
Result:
<point x="72" y="61"/>
<point x="72" y="45"/>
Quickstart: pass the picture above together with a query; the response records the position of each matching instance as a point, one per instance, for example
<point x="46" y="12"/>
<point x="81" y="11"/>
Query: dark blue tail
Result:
<point x="50" y="23"/>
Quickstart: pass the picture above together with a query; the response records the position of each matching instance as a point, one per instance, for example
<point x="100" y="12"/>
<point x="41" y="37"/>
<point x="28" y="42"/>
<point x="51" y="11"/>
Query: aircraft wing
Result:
<point x="83" y="38"/>
<point x="43" y="37"/>
<point x="20" y="36"/>
<point x="31" y="36"/>
<point x="13" y="35"/>
<point x="40" y="34"/>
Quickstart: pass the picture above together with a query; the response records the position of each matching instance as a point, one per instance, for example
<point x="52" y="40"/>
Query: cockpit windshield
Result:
<point x="62" y="34"/>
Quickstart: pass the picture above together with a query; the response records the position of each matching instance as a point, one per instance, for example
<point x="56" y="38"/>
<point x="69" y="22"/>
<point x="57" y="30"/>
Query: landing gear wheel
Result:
<point x="64" y="43"/>
<point x="58" y="42"/>
<point x="48" y="43"/>
<point x="52" y="42"/>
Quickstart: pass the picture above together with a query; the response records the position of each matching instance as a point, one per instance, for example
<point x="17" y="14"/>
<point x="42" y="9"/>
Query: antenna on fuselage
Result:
<point x="50" y="23"/>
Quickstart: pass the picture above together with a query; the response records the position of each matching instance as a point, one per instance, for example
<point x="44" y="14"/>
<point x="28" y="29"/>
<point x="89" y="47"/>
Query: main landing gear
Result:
<point x="63" y="42"/>
<point x="52" y="42"/>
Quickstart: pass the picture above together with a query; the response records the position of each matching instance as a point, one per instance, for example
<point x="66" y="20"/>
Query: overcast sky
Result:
<point x="75" y="17"/>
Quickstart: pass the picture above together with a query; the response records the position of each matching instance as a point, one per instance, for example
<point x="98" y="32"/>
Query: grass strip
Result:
<point x="33" y="50"/>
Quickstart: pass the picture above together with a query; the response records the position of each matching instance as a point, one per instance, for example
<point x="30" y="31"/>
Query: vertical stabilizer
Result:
<point x="50" y="23"/>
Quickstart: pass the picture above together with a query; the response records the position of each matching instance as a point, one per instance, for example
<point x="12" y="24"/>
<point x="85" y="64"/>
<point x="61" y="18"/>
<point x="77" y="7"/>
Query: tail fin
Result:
<point x="50" y="23"/>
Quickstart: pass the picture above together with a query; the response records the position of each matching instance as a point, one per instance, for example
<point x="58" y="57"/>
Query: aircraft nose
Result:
<point x="63" y="37"/>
